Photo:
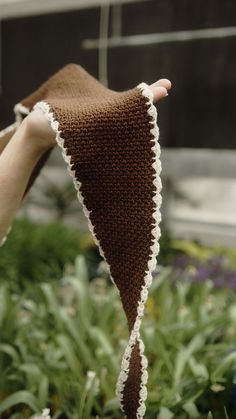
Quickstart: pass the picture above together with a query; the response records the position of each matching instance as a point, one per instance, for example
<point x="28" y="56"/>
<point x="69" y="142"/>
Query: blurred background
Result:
<point x="62" y="328"/>
<point x="125" y="42"/>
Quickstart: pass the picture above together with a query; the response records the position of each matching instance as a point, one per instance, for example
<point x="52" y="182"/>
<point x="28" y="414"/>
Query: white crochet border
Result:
<point x="8" y="129"/>
<point x="135" y="334"/>
<point x="45" y="108"/>
<point x="154" y="250"/>
<point x="20" y="109"/>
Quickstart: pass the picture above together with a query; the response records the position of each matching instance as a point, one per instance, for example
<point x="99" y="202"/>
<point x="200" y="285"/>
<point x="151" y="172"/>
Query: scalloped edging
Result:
<point x="45" y="108"/>
<point x="19" y="109"/>
<point x="135" y="334"/>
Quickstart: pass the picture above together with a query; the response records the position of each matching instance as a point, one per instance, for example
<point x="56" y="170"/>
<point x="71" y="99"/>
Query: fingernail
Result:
<point x="167" y="94"/>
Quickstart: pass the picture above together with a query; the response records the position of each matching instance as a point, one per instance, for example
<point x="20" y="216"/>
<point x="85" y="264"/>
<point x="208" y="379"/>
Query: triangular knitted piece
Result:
<point x="109" y="141"/>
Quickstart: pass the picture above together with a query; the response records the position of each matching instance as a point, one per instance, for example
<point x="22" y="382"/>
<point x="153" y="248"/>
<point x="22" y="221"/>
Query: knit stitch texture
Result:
<point x="109" y="141"/>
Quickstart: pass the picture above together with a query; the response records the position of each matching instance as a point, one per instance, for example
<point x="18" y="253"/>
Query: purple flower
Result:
<point x="216" y="269"/>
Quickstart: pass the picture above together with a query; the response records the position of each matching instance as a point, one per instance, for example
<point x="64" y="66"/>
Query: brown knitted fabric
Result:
<point x="109" y="141"/>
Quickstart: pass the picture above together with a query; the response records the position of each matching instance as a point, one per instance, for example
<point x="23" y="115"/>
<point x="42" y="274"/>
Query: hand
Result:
<point x="39" y="130"/>
<point x="160" y="89"/>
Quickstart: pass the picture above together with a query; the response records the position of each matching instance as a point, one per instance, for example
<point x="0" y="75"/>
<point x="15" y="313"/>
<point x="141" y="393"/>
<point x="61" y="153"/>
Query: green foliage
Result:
<point x="39" y="252"/>
<point x="61" y="199"/>
<point x="61" y="347"/>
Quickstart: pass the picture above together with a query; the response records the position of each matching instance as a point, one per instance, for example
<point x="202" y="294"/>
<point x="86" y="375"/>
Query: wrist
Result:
<point x="27" y="140"/>
<point x="38" y="131"/>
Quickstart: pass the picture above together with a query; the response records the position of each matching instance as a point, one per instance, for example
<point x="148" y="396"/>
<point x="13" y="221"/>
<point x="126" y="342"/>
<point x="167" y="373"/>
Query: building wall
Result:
<point x="200" y="111"/>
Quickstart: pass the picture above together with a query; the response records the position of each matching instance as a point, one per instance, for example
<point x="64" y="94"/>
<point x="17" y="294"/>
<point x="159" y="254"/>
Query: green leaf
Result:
<point x="11" y="351"/>
<point x="32" y="371"/>
<point x="91" y="395"/>
<point x="51" y="300"/>
<point x="225" y="412"/>
<point x="157" y="282"/>
<point x="165" y="413"/>
<point x="111" y="405"/>
<point x="69" y="353"/>
<point x="199" y="370"/>
<point x="81" y="270"/>
<point x="24" y="397"/>
<point x="191" y="409"/>
<point x="85" y="352"/>
<point x="184" y="355"/>
<point x="43" y="392"/>
<point x="224" y="366"/>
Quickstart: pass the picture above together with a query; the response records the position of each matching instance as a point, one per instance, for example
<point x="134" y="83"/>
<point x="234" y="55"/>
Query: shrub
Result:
<point x="61" y="348"/>
<point x="39" y="252"/>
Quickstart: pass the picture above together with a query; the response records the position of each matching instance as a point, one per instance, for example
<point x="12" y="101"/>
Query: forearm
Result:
<point x="17" y="161"/>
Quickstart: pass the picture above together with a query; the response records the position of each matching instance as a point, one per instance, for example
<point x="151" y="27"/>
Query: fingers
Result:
<point x="162" y="82"/>
<point x="160" y="89"/>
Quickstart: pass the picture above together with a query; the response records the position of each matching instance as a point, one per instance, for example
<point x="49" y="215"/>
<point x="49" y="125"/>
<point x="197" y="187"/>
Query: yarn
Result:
<point x="109" y="141"/>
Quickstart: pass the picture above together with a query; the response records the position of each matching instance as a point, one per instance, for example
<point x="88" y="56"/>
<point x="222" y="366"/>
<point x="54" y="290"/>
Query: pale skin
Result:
<point x="20" y="155"/>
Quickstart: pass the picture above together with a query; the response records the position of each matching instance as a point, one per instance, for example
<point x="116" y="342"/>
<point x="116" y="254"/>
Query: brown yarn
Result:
<point x="108" y="137"/>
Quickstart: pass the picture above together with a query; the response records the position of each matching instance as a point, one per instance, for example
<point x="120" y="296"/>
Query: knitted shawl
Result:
<point x="109" y="141"/>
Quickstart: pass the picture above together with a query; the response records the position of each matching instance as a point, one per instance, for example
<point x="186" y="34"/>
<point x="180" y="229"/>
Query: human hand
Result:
<point x="160" y="89"/>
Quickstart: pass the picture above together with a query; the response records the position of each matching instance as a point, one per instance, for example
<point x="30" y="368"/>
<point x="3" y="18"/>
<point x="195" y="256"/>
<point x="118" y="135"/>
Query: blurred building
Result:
<point x="125" y="42"/>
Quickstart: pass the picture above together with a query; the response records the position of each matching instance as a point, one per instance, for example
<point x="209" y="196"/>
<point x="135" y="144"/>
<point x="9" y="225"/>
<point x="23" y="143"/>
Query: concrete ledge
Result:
<point x="192" y="162"/>
<point x="20" y="8"/>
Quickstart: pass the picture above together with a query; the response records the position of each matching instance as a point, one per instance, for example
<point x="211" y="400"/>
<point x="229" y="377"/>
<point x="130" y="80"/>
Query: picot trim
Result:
<point x="20" y="110"/>
<point x="135" y="334"/>
<point x="154" y="250"/>
<point x="45" y="108"/>
<point x="8" y="129"/>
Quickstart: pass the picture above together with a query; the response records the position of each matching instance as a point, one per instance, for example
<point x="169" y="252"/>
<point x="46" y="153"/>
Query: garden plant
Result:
<point x="63" y="330"/>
